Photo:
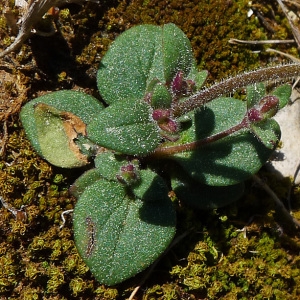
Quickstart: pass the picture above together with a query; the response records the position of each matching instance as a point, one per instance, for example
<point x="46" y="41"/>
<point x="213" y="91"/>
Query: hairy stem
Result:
<point x="234" y="83"/>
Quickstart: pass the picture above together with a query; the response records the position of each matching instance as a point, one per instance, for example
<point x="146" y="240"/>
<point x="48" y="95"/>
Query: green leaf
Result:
<point x="64" y="101"/>
<point x="86" y="179"/>
<point x="203" y="196"/>
<point x="283" y="92"/>
<point x="161" y="97"/>
<point x="140" y="55"/>
<point x="232" y="159"/>
<point x="158" y="188"/>
<point x="268" y="137"/>
<point x="126" y="67"/>
<point x="125" y="127"/>
<point x="118" y="236"/>
<point x="177" y="52"/>
<point x="56" y="131"/>
<point x="255" y="93"/>
<point x="199" y="77"/>
<point x="109" y="165"/>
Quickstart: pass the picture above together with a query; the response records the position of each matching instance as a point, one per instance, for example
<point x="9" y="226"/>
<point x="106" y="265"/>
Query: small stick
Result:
<point x="66" y="212"/>
<point x="280" y="205"/>
<point x="292" y="185"/>
<point x="19" y="214"/>
<point x="293" y="2"/>
<point x="4" y="139"/>
<point x="264" y="22"/>
<point x="293" y="58"/>
<point x="237" y="41"/>
<point x="33" y="14"/>
<point x="295" y="30"/>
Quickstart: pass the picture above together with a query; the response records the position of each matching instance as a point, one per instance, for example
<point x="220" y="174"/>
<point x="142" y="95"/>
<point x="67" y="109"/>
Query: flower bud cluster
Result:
<point x="129" y="174"/>
<point x="182" y="87"/>
<point x="166" y="123"/>
<point x="266" y="108"/>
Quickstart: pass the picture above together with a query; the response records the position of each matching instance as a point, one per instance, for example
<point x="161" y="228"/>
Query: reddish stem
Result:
<point x="167" y="151"/>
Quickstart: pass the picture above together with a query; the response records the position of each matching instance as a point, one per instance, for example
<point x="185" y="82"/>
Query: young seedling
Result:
<point x="157" y="111"/>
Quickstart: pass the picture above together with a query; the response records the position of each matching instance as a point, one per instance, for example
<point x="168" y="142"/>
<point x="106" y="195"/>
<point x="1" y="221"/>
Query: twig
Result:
<point x="293" y="58"/>
<point x="237" y="41"/>
<point x="33" y="13"/>
<point x="280" y="205"/>
<point x="295" y="30"/>
<point x="19" y="214"/>
<point x="262" y="19"/>
<point x="4" y="139"/>
<point x="292" y="185"/>
<point x="293" y="2"/>
<point x="66" y="212"/>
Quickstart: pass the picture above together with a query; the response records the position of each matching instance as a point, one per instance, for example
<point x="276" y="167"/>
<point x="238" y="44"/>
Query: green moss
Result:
<point x="65" y="14"/>
<point x="32" y="250"/>
<point x="107" y="293"/>
<point x="28" y="293"/>
<point x="250" y="273"/>
<point x="8" y="272"/>
<point x="55" y="279"/>
<point x="77" y="285"/>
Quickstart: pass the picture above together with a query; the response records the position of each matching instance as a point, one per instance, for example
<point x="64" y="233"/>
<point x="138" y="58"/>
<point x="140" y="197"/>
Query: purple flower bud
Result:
<point x="254" y="115"/>
<point x="127" y="168"/>
<point x="160" y="114"/>
<point x="177" y="83"/>
<point x="169" y="126"/>
<point x="190" y="87"/>
<point x="269" y="104"/>
<point x="128" y="174"/>
<point x="266" y="108"/>
<point x="181" y="86"/>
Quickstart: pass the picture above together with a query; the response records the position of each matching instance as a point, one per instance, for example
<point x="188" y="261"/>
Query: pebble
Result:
<point x="286" y="161"/>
